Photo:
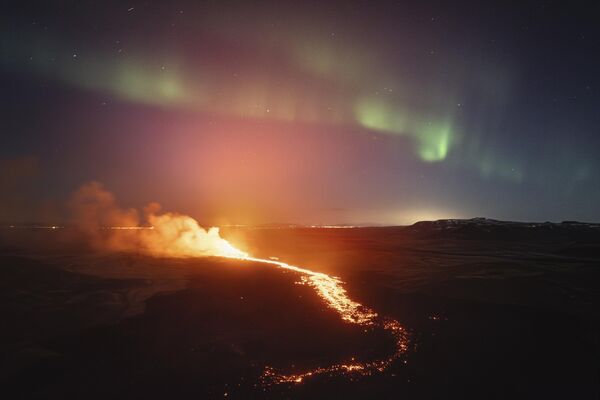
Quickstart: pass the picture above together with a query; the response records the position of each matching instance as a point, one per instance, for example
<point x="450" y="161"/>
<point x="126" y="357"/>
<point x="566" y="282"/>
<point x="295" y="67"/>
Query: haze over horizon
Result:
<point x="345" y="113"/>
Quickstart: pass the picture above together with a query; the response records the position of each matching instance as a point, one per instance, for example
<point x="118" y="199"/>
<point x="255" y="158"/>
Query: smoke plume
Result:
<point x="106" y="226"/>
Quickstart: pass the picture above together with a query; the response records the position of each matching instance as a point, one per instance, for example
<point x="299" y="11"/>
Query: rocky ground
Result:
<point x="493" y="311"/>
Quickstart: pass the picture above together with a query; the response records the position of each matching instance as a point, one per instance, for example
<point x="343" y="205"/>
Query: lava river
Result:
<point x="330" y="290"/>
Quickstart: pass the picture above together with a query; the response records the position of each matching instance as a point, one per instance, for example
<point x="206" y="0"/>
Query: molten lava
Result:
<point x="109" y="227"/>
<point x="330" y="289"/>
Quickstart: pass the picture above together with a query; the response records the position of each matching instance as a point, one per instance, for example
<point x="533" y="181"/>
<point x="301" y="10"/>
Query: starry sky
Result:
<point x="305" y="112"/>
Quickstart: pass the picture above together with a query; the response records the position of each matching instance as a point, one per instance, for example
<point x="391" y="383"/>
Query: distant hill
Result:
<point x="485" y="228"/>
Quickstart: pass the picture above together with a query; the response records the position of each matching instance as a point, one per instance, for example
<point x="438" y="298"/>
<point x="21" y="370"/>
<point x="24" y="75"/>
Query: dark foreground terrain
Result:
<point x="494" y="310"/>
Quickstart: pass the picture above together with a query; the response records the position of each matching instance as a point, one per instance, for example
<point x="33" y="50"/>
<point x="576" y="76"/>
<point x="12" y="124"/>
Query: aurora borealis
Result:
<point x="348" y="112"/>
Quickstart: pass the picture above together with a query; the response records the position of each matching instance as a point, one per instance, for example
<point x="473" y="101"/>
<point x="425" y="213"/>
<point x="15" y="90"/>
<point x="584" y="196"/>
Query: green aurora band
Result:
<point x="313" y="82"/>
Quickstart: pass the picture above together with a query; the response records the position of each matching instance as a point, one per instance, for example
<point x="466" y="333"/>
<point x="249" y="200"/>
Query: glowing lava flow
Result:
<point x="108" y="227"/>
<point x="330" y="289"/>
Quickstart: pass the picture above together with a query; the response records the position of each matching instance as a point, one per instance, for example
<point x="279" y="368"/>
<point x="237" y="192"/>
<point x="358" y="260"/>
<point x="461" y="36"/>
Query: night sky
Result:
<point x="306" y="112"/>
